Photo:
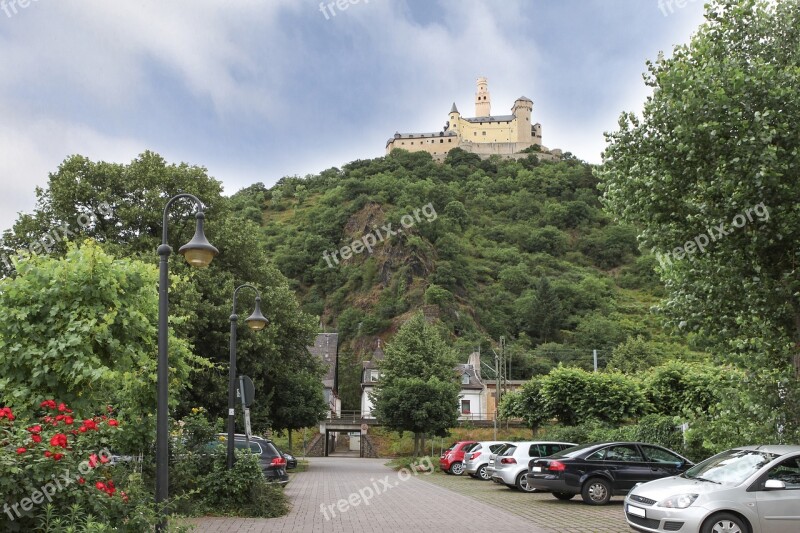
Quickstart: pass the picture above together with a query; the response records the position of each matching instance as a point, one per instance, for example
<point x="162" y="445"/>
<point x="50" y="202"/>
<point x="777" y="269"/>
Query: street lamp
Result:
<point x="199" y="253"/>
<point x="256" y="322"/>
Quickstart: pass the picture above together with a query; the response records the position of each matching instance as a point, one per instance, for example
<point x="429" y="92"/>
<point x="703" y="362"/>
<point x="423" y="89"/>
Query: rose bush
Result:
<point x="56" y="464"/>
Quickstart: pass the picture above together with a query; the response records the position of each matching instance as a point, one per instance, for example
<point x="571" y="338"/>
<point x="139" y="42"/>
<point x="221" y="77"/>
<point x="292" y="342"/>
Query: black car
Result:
<point x="273" y="463"/>
<point x="291" y="460"/>
<point x="599" y="471"/>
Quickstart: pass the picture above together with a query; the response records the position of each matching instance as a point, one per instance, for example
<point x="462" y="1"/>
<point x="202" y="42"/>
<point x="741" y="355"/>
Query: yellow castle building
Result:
<point x="485" y="134"/>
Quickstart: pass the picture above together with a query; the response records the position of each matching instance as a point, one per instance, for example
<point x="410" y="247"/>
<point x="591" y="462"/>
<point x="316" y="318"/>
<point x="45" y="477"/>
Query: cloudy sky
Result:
<point x="255" y="90"/>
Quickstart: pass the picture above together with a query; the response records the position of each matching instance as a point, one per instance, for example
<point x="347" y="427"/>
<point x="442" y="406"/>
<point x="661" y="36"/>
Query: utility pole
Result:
<point x="594" y="354"/>
<point x="496" y="392"/>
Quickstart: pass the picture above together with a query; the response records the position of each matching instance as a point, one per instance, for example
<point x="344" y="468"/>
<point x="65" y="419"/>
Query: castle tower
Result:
<point x="483" y="102"/>
<point x="523" y="107"/>
<point x="454" y="118"/>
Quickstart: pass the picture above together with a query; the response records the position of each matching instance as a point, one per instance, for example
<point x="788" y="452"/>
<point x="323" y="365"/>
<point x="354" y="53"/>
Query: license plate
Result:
<point x="637" y="511"/>
<point x="537" y="468"/>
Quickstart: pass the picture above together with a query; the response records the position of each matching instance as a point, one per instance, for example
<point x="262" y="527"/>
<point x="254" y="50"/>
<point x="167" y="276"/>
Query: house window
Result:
<point x="465" y="410"/>
<point x="484" y="133"/>
<point x="449" y="140"/>
<point x="465" y="379"/>
<point x="441" y="141"/>
<point x="373" y="375"/>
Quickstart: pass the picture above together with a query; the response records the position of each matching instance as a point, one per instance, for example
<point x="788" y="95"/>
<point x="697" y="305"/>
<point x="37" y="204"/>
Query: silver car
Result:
<point x="492" y="458"/>
<point x="511" y="466"/>
<point x="752" y="489"/>
<point x="476" y="459"/>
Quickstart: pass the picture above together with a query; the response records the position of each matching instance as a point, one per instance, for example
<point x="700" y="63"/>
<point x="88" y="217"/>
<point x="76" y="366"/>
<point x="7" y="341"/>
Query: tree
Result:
<point x="418" y="390"/>
<point x="635" y="355"/>
<point x="128" y="202"/>
<point x="527" y="403"/>
<point x="709" y="174"/>
<point x="299" y="401"/>
<point x="539" y="312"/>
<point x="82" y="329"/>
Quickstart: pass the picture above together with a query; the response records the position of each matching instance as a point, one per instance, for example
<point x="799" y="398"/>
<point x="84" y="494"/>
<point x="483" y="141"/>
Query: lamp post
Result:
<point x="199" y="253"/>
<point x="256" y="322"/>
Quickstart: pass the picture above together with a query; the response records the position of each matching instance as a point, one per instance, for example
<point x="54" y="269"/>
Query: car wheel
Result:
<point x="564" y="495"/>
<point x="457" y="469"/>
<point x="522" y="483"/>
<point x="481" y="473"/>
<point x="725" y="523"/>
<point x="596" y="491"/>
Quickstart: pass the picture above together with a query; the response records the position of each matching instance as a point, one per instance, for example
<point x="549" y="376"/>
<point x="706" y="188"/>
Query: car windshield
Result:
<point x="731" y="467"/>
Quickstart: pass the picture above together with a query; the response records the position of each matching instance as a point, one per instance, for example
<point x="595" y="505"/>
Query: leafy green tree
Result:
<point x="635" y="355"/>
<point x="82" y="329"/>
<point x="299" y="402"/>
<point x="539" y="312"/>
<point x="709" y="175"/>
<point x="129" y="201"/>
<point x="527" y="403"/>
<point x="418" y="390"/>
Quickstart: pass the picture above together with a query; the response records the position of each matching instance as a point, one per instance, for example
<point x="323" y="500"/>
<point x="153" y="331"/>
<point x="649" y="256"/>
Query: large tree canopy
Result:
<point x="710" y="173"/>
<point x="124" y="204"/>
<point x="418" y="390"/>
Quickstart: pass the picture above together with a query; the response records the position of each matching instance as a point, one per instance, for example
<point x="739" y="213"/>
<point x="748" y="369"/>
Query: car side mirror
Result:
<point x="774" y="484"/>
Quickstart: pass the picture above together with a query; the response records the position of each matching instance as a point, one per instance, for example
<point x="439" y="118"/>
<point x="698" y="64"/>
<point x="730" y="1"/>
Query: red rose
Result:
<point x="21" y="450"/>
<point x="62" y="407"/>
<point x="82" y="429"/>
<point x="36" y="438"/>
<point x="48" y="453"/>
<point x="103" y="459"/>
<point x="35" y="429"/>
<point x="81" y="480"/>
<point x="92" y="461"/>
<point x="58" y="456"/>
<point x="59" y="439"/>
<point x="113" y="422"/>
<point x="68" y="420"/>
<point x="100" y="485"/>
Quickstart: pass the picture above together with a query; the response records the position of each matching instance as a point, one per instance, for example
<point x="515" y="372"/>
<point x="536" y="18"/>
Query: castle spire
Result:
<point x="454" y="109"/>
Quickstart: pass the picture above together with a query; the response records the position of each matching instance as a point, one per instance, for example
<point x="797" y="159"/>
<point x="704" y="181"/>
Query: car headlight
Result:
<point x="679" y="501"/>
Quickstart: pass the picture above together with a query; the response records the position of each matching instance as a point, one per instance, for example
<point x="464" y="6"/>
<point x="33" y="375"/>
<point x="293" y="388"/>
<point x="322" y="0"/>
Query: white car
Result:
<point x="752" y="489"/>
<point x="476" y="459"/>
<point x="511" y="466"/>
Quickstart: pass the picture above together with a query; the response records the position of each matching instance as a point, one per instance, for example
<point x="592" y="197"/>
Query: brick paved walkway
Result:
<point x="408" y="505"/>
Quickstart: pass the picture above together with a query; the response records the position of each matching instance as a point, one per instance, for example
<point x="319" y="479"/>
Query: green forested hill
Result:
<point x="498" y="248"/>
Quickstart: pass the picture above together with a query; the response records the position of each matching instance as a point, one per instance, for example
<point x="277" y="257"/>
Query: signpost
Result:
<point x="246" y="391"/>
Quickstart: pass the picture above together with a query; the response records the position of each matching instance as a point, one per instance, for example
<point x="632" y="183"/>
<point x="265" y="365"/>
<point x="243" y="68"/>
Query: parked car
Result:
<point x="753" y="489"/>
<point x="273" y="463"/>
<point x="599" y="471"/>
<point x="452" y="460"/>
<point x="477" y="458"/>
<point x="291" y="460"/>
<point x="492" y="457"/>
<point x="511" y="466"/>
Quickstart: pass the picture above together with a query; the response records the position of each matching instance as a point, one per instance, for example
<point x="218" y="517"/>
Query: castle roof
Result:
<point x="525" y="98"/>
<point x="454" y="109"/>
<point x="499" y="118"/>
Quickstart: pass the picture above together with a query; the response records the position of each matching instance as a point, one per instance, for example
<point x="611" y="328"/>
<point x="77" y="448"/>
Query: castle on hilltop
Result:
<point x="484" y="134"/>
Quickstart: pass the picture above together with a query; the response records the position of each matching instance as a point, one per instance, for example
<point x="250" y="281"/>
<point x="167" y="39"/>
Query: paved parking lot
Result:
<point x="363" y="495"/>
<point x="541" y="510"/>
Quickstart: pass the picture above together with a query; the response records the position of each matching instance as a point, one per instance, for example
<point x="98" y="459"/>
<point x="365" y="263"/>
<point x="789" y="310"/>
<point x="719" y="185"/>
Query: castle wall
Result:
<point x="487" y="132"/>
<point x="434" y="145"/>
